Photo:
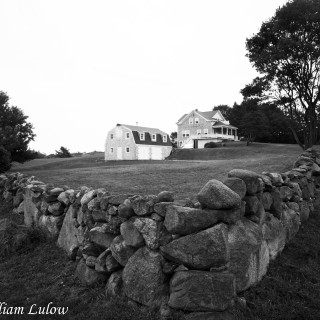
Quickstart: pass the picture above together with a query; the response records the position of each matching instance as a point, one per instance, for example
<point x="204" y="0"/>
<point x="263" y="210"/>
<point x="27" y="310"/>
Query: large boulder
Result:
<point x="252" y="180"/>
<point x="202" y="250"/>
<point x="237" y="185"/>
<point x="150" y="230"/>
<point x="216" y="195"/>
<point x="184" y="220"/>
<point x="201" y="291"/>
<point x="143" y="278"/>
<point x="275" y="235"/>
<point x="249" y="253"/>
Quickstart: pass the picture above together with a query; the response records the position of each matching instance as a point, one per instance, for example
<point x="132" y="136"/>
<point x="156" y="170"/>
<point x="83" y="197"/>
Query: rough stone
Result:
<point x="91" y="261"/>
<point x="100" y="237"/>
<point x="275" y="177"/>
<point x="208" y="248"/>
<point x="87" y="197"/>
<point x="183" y="220"/>
<point x="88" y="276"/>
<point x="125" y="209"/>
<point x="121" y="251"/>
<point x="216" y="195"/>
<point x="56" y="208"/>
<point x="117" y="199"/>
<point x="275" y="235"/>
<point x="143" y="205"/>
<point x="291" y="221"/>
<point x="130" y="234"/>
<point x="112" y="264"/>
<point x="143" y="279"/>
<point x="165" y="196"/>
<point x="31" y="213"/>
<point x="51" y="225"/>
<point x="201" y="291"/>
<point x="150" y="231"/>
<point x="277" y="204"/>
<point x="100" y="216"/>
<point x="161" y="208"/>
<point x="251" y="179"/>
<point x="237" y="185"/>
<point x="249" y="255"/>
<point x="266" y="199"/>
<point x="286" y="193"/>
<point x="114" y="285"/>
<point x="64" y="198"/>
<point x="68" y="233"/>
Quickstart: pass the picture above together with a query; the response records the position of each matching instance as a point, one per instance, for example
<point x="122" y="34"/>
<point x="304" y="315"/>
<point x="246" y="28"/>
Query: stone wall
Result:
<point x="175" y="254"/>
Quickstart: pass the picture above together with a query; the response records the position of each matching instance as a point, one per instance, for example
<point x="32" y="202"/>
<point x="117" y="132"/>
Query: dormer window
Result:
<point x="196" y="120"/>
<point x="190" y="120"/>
<point x="142" y="136"/>
<point x="154" y="137"/>
<point x="127" y="135"/>
<point x="164" y="138"/>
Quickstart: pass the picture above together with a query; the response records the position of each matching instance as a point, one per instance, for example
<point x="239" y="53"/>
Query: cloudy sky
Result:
<point x="79" y="67"/>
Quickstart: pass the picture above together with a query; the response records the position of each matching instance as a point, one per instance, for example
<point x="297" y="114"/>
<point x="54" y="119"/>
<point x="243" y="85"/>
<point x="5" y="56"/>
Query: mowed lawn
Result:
<point x="184" y="177"/>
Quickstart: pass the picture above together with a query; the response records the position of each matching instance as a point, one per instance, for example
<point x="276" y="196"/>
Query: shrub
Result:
<point x="211" y="145"/>
<point x="5" y="160"/>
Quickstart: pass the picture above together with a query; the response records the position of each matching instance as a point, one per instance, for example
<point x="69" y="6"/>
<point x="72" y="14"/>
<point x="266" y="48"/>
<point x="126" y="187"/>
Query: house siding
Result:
<point x="133" y="143"/>
<point x="120" y="141"/>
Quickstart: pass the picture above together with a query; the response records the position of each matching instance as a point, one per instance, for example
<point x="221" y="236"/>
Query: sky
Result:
<point x="77" y="67"/>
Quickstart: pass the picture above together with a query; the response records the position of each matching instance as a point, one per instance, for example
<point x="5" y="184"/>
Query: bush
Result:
<point x="211" y="145"/>
<point x="5" y="160"/>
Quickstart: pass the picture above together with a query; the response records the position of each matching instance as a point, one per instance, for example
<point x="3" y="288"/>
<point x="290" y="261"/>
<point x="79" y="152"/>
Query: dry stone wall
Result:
<point x="175" y="254"/>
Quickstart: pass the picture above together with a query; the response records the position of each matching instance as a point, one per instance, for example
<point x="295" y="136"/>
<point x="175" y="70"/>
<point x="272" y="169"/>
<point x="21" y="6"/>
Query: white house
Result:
<point x="197" y="128"/>
<point x="126" y="142"/>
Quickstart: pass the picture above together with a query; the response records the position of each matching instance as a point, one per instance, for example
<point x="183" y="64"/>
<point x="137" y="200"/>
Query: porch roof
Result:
<point x="220" y="124"/>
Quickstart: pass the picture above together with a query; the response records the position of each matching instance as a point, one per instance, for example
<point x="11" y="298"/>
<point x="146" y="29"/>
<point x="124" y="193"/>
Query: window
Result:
<point x="111" y="136"/>
<point x="127" y="135"/>
<point x="142" y="136"/>
<point x="154" y="137"/>
<point x="111" y="150"/>
<point x="127" y="149"/>
<point x="180" y="143"/>
<point x="190" y="120"/>
<point x="198" y="132"/>
<point x="164" y="138"/>
<point x="205" y="131"/>
<point x="186" y="133"/>
<point x="196" y="120"/>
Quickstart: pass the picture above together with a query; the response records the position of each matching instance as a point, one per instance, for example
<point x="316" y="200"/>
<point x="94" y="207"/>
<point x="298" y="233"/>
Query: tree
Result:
<point x="286" y="52"/>
<point x="224" y="109"/>
<point x="63" y="153"/>
<point x="5" y="161"/>
<point x="173" y="138"/>
<point x="15" y="131"/>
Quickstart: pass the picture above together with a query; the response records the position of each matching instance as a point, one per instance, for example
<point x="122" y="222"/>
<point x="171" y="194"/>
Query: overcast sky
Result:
<point x="77" y="68"/>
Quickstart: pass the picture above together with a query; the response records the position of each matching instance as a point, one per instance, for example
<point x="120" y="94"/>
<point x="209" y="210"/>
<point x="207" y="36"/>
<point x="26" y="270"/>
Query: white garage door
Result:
<point x="119" y="153"/>
<point x="156" y="153"/>
<point x="143" y="153"/>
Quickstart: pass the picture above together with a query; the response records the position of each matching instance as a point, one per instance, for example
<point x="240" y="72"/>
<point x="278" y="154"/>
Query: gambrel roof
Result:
<point x="136" y="130"/>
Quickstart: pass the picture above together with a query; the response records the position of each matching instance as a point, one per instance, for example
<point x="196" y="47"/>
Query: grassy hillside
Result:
<point x="184" y="178"/>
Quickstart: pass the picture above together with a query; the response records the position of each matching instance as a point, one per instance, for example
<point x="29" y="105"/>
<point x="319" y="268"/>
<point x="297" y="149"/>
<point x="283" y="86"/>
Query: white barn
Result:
<point x="127" y="142"/>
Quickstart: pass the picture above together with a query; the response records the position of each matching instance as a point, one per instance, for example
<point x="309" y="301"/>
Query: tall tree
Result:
<point x="15" y="132"/>
<point x="224" y="109"/>
<point x="286" y="52"/>
<point x="63" y="152"/>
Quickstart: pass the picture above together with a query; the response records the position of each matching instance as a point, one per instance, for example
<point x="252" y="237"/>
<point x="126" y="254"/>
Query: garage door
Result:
<point x="156" y="153"/>
<point x="143" y="153"/>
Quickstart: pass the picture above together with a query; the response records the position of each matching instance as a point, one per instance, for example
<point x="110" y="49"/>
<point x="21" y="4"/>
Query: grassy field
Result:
<point x="184" y="178"/>
<point x="41" y="273"/>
